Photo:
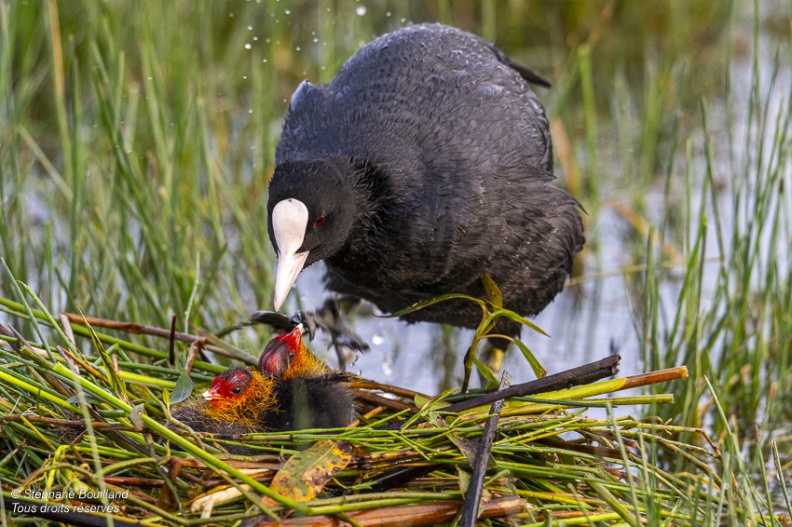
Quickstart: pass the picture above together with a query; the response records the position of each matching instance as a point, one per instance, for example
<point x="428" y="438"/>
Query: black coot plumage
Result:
<point x="424" y="164"/>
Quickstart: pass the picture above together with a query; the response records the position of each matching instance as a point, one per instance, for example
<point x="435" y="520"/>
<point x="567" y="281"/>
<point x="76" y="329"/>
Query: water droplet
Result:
<point x="287" y="11"/>
<point x="297" y="48"/>
<point x="387" y="13"/>
<point x="250" y="28"/>
<point x="244" y="77"/>
<point x="231" y="14"/>
<point x="250" y="111"/>
<point x="360" y="10"/>
<point x="264" y="60"/>
<point x="248" y="45"/>
<point x="403" y="20"/>
<point x="315" y="40"/>
<point x="255" y="38"/>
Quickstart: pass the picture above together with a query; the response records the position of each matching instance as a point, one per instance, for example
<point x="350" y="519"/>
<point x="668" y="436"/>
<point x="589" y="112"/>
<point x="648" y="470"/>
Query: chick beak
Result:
<point x="210" y="394"/>
<point x="289" y="222"/>
<point x="276" y="357"/>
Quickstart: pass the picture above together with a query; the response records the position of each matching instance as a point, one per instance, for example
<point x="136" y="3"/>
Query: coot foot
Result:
<point x="329" y="319"/>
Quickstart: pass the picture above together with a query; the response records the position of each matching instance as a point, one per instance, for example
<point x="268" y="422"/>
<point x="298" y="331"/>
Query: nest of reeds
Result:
<point x="84" y="429"/>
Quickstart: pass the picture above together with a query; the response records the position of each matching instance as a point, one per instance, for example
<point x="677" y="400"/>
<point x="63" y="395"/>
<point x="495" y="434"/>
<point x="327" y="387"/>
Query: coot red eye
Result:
<point x="320" y="221"/>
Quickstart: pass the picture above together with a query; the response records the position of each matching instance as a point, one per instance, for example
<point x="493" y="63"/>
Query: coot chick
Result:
<point x="238" y="402"/>
<point x="286" y="357"/>
<point x="425" y="163"/>
<point x="310" y="387"/>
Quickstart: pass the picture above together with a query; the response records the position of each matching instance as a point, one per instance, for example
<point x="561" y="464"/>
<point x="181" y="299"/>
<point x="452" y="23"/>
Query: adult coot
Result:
<point x="424" y="164"/>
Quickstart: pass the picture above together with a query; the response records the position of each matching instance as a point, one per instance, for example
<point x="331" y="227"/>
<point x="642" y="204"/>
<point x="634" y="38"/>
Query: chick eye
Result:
<point x="291" y="355"/>
<point x="236" y="390"/>
<point x="320" y="221"/>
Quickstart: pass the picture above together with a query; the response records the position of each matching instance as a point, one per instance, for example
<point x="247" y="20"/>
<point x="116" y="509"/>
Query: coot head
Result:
<point x="311" y="211"/>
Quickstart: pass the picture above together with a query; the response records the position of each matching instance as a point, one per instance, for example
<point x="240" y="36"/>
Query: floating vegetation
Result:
<point x="87" y="432"/>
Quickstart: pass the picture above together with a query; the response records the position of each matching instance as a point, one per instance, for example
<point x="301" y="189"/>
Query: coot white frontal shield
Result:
<point x="289" y="221"/>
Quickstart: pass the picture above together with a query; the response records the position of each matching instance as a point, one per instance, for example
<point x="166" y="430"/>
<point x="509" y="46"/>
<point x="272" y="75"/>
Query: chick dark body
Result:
<point x="320" y="402"/>
<point x="424" y="164"/>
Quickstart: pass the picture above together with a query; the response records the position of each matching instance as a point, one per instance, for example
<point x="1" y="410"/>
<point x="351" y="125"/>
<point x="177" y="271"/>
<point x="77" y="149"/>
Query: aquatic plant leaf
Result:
<point x="136" y="415"/>
<point x="536" y="366"/>
<point x="464" y="485"/>
<point x="492" y="290"/>
<point x="426" y="303"/>
<point x="182" y="390"/>
<point x="436" y="401"/>
<point x="305" y="474"/>
<point x="486" y="372"/>
<point x="517" y="318"/>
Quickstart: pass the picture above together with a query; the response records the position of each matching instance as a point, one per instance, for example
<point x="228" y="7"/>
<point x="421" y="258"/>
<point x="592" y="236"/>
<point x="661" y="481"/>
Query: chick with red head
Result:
<point x="314" y="395"/>
<point x="238" y="402"/>
<point x="286" y="357"/>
